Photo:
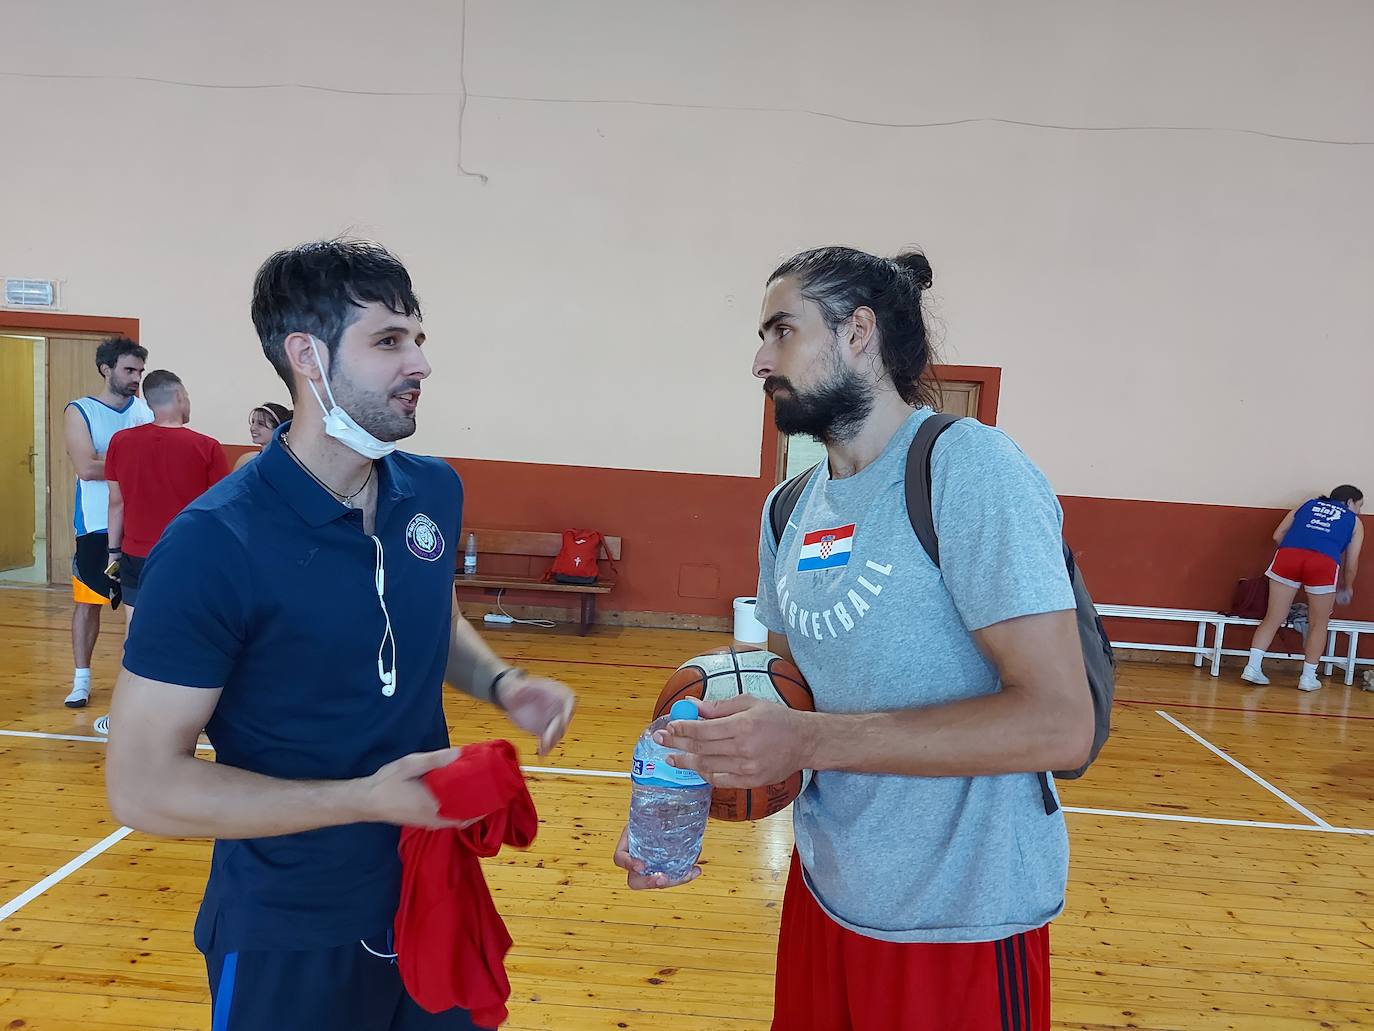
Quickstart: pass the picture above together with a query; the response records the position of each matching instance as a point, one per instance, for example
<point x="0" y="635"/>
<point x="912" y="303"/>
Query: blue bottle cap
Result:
<point x="684" y="710"/>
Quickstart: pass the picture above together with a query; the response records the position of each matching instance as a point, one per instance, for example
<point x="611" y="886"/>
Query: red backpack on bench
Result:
<point x="1250" y="600"/>
<point x="576" y="562"/>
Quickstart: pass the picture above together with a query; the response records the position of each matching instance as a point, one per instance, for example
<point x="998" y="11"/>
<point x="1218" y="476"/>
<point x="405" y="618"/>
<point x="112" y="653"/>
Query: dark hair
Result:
<point x="842" y="279"/>
<point x="109" y="352"/>
<point x="318" y="288"/>
<point x="159" y="386"/>
<point x="1346" y="493"/>
<point x="279" y="413"/>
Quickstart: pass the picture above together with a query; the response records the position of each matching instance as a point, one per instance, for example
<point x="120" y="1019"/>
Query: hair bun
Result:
<point x="914" y="264"/>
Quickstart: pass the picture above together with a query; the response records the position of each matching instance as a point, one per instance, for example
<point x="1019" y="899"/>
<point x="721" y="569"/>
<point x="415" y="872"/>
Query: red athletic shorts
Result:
<point x="831" y="979"/>
<point x="1311" y="570"/>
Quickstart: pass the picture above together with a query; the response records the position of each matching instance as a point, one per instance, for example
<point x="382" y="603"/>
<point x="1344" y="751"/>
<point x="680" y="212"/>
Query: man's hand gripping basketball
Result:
<point x="742" y="742"/>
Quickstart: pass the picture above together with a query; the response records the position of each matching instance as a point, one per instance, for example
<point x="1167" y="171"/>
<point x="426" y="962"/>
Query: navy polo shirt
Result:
<point x="265" y="587"/>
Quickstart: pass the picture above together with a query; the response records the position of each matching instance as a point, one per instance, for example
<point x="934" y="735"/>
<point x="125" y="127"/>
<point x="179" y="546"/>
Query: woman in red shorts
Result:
<point x="1319" y="552"/>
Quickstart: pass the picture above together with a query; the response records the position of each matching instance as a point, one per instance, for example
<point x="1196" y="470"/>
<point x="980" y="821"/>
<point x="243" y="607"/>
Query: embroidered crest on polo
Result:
<point x="424" y="539"/>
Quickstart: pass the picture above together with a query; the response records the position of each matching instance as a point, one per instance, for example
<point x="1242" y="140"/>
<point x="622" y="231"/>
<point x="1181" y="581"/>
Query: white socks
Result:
<point x="1252" y="674"/>
<point x="81" y="689"/>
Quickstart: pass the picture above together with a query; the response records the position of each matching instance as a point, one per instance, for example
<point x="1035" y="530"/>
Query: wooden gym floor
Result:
<point x="1220" y="875"/>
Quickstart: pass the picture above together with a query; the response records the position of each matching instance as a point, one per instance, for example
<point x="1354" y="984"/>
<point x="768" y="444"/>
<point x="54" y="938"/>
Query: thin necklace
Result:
<point x="347" y="499"/>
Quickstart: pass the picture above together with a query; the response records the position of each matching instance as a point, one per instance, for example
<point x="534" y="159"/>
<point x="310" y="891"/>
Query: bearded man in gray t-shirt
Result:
<point x="927" y="867"/>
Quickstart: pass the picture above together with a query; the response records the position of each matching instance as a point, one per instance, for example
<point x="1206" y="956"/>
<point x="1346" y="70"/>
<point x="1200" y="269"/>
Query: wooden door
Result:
<point x="71" y="374"/>
<point x="18" y="517"/>
<point x="960" y="398"/>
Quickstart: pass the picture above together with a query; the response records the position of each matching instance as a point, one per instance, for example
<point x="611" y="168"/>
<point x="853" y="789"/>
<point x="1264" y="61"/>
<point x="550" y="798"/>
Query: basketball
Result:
<point x="722" y="674"/>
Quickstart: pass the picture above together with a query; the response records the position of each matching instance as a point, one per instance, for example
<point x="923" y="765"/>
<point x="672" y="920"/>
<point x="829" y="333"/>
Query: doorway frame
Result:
<point x="44" y="323"/>
<point x="989" y="380"/>
<point x="773" y="459"/>
<point x="38" y="321"/>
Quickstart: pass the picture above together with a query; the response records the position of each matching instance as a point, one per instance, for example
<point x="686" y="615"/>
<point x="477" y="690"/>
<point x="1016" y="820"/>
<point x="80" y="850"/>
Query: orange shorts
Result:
<point x="90" y="585"/>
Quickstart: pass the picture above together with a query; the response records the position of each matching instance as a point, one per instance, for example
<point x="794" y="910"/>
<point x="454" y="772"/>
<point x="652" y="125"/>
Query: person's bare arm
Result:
<point x="156" y="784"/>
<point x="80" y="447"/>
<point x="472" y="665"/>
<point x="541" y="706"/>
<point x="1041" y="719"/>
<point x="1282" y="530"/>
<point x="116" y="516"/>
<point x="1350" y="564"/>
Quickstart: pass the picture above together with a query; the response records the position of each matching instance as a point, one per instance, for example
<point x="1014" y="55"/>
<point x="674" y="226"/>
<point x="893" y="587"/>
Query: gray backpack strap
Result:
<point x="918" y="500"/>
<point x="785" y="502"/>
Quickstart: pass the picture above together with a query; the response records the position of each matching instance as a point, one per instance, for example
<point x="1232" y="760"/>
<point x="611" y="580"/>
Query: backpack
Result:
<point x="1250" y="600"/>
<point x="1099" y="661"/>
<point x="576" y="561"/>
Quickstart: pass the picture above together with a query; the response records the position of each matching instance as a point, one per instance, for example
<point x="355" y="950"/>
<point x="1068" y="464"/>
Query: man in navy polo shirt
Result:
<point x="302" y="613"/>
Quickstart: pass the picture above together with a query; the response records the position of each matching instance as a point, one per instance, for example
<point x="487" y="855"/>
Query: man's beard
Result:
<point x="831" y="413"/>
<point x="373" y="412"/>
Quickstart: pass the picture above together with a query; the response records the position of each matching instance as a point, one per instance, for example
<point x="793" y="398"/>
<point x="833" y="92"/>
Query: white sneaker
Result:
<point x="1309" y="682"/>
<point x="81" y="694"/>
<point x="1253" y="676"/>
<point x="102" y="726"/>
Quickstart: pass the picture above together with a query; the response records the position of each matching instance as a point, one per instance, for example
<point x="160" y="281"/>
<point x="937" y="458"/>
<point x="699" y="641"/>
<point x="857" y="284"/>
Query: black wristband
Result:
<point x="114" y="551"/>
<point x="495" y="698"/>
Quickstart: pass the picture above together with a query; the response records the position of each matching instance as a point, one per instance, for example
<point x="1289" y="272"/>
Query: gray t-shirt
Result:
<point x="875" y="626"/>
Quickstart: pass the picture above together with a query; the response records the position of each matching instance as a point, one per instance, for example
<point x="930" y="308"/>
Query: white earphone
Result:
<point x="386" y="676"/>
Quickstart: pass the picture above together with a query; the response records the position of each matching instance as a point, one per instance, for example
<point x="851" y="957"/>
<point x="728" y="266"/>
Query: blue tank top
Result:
<point x="1323" y="526"/>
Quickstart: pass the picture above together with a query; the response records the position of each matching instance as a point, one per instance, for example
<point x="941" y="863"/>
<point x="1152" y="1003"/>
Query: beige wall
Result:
<point x="1181" y="315"/>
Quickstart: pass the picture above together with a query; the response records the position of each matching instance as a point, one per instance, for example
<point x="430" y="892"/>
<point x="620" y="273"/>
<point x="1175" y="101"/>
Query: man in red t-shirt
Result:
<point x="154" y="471"/>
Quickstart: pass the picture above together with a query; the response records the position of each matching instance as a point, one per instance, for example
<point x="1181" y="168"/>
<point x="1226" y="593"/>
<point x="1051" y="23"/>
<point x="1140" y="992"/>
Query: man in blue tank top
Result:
<point x="1319" y="552"/>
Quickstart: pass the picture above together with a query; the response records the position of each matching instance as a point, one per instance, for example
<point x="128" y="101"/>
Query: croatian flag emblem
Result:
<point x="826" y="549"/>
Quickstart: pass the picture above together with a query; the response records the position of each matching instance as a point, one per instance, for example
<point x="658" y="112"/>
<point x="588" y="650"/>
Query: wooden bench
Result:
<point x="516" y="560"/>
<point x="1218" y="622"/>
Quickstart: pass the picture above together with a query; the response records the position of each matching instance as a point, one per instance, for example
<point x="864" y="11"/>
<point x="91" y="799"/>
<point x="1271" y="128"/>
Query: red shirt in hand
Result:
<point x="451" y="943"/>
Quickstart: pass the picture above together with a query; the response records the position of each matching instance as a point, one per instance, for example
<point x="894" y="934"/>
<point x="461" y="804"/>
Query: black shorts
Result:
<point x="90" y="585"/>
<point x="354" y="986"/>
<point x="130" y="573"/>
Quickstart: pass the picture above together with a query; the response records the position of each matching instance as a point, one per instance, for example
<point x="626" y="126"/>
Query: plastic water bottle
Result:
<point x="470" y="556"/>
<point x="668" y="805"/>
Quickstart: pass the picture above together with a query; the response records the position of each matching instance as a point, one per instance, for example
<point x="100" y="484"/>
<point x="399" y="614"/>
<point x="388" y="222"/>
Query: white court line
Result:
<point x="1216" y="821"/>
<point x="559" y="771"/>
<point x="1324" y="828"/>
<point x="17" y="903"/>
<point x="200" y="745"/>
<point x="1249" y="773"/>
<point x="51" y="737"/>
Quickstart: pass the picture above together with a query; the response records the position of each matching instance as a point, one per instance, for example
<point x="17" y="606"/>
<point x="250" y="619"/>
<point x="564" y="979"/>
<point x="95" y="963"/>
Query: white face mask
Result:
<point x="340" y="425"/>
